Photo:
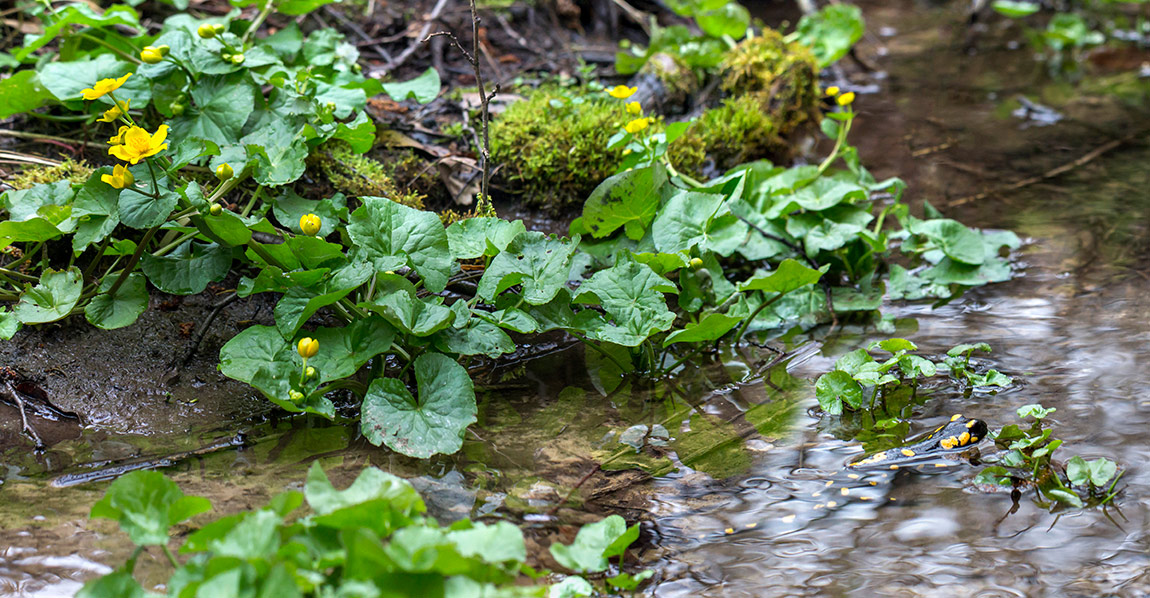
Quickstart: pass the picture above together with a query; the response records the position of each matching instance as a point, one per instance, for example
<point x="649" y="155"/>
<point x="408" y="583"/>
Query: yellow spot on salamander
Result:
<point x="832" y="504"/>
<point x="970" y="424"/>
<point x="874" y="483"/>
<point x="965" y="438"/>
<point x="788" y="518"/>
<point x="956" y="417"/>
<point x="729" y="530"/>
<point x="974" y="438"/>
<point x="845" y="492"/>
<point x="853" y="476"/>
<point x="948" y="443"/>
<point x="907" y="453"/>
<point x="866" y="498"/>
<point x="894" y="466"/>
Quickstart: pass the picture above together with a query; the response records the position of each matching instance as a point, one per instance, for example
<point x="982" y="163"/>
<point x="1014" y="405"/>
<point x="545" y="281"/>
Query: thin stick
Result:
<point x="1049" y="174"/>
<point x="24" y="416"/>
<point x="422" y="37"/>
<point x="484" y="97"/>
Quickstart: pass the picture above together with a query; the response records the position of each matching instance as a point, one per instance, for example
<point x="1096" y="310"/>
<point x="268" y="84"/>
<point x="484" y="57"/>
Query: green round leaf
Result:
<point x="433" y="423"/>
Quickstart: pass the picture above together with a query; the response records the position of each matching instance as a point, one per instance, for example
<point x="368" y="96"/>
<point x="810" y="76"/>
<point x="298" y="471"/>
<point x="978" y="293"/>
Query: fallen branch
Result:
<point x="422" y="37"/>
<point x="1049" y="174"/>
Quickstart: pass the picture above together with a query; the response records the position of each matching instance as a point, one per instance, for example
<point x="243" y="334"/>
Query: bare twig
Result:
<point x="423" y="35"/>
<point x="1049" y="174"/>
<point x="484" y="97"/>
<point x="28" y="429"/>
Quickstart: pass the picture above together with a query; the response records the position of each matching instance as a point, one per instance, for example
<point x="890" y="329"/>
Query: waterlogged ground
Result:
<point x="742" y="454"/>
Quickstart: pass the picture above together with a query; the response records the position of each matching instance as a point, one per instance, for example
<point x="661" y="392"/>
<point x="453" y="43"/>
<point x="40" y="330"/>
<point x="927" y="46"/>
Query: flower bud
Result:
<point x="307" y="347"/>
<point x="151" y="55"/>
<point x="237" y="59"/>
<point x="309" y="373"/>
<point x="224" y="171"/>
<point x="295" y="396"/>
<point x="206" y="31"/>
<point x="310" y="224"/>
<point x="696" y="263"/>
<point x="178" y="108"/>
<point x="164" y="49"/>
<point x="846" y="98"/>
<point x="216" y="209"/>
<point x="218" y="29"/>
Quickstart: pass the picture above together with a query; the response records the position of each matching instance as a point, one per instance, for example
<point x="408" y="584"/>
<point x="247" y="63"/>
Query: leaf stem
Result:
<point x="132" y="262"/>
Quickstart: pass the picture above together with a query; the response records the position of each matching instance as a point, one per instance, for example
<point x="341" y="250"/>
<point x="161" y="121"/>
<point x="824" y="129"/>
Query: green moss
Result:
<point x="782" y="77"/>
<point x="358" y="174"/>
<point x="77" y="172"/>
<point x="553" y="148"/>
<point x="737" y="131"/>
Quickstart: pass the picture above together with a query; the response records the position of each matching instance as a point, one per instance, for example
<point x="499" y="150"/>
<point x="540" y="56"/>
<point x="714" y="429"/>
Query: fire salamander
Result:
<point x="868" y="479"/>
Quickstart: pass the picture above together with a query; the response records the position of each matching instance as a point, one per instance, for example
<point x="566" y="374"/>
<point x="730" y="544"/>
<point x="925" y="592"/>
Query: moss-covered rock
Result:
<point x="735" y="132"/>
<point x="552" y="148"/>
<point x="782" y="77"/>
<point x="77" y="172"/>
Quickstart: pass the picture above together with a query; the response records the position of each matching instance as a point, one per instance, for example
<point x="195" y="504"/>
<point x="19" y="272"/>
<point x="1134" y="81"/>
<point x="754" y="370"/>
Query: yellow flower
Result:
<point x="846" y="98"/>
<point x="104" y="87"/>
<point x="636" y="125"/>
<point x="121" y="177"/>
<point x="622" y="91"/>
<point x="307" y="347"/>
<point x="151" y="55"/>
<point x="634" y="108"/>
<point x="136" y="144"/>
<point x="833" y="90"/>
<point x="309" y="224"/>
<point x="111" y="114"/>
<point x="118" y="138"/>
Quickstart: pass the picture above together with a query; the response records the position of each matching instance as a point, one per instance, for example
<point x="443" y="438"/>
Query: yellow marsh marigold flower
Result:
<point x="833" y="90"/>
<point x="846" y="98"/>
<point x="636" y="125"/>
<point x="622" y="91"/>
<point x="136" y="144"/>
<point x="104" y="87"/>
<point x="310" y="224"/>
<point x="121" y="177"/>
<point x="118" y="138"/>
<point x="151" y="55"/>
<point x="307" y="347"/>
<point x="111" y="114"/>
<point x="634" y="108"/>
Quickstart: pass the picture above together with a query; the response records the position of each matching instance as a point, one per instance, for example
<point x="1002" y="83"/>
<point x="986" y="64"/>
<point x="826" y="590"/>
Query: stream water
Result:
<point x="1072" y="329"/>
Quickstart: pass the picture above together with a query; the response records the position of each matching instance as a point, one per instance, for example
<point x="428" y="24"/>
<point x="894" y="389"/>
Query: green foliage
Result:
<point x="859" y="381"/>
<point x="370" y="539"/>
<point x="1027" y="460"/>
<point x="831" y="32"/>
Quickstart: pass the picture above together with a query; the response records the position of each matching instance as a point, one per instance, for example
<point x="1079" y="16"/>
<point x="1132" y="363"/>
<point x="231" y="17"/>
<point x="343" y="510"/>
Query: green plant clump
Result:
<point x="552" y="146"/>
<point x="358" y="174"/>
<point x="372" y="539"/>
<point x="71" y="170"/>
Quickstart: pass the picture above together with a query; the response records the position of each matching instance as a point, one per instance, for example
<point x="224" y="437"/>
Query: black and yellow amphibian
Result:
<point x="956" y="436"/>
<point x="869" y="479"/>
